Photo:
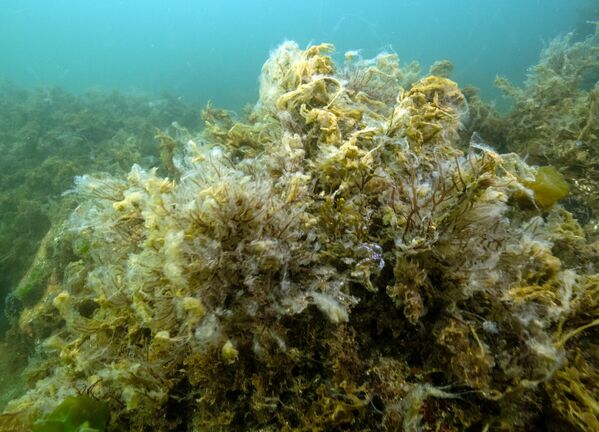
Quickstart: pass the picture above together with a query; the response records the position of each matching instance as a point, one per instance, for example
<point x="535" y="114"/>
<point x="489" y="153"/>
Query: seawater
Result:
<point x="213" y="50"/>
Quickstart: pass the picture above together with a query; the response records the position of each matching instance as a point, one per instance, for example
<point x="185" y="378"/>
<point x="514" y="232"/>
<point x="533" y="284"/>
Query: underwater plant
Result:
<point x="338" y="260"/>
<point x="47" y="137"/>
<point x="555" y="120"/>
<point x="75" y="414"/>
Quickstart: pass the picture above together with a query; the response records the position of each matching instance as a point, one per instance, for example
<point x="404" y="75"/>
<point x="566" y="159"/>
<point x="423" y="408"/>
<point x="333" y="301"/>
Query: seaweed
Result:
<point x="554" y="120"/>
<point x="47" y="137"/>
<point x="337" y="259"/>
<point x="75" y="414"/>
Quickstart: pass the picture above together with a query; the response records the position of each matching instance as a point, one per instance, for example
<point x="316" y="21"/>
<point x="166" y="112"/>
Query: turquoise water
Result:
<point x="202" y="50"/>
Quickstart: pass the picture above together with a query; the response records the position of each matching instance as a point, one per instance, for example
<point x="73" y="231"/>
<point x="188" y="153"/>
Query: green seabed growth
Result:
<point x="349" y="256"/>
<point x="75" y="414"/>
<point x="49" y="136"/>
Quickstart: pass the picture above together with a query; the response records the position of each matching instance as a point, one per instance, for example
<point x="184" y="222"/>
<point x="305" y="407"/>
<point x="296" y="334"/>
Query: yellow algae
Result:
<point x="549" y="186"/>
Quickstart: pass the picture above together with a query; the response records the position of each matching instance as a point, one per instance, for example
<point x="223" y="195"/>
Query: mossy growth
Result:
<point x="47" y="136"/>
<point x="75" y="414"/>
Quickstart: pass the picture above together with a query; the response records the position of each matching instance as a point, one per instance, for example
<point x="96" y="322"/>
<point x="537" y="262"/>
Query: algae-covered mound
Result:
<point x="336" y="261"/>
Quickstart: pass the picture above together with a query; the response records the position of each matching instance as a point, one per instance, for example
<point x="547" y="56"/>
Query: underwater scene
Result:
<point x="299" y="216"/>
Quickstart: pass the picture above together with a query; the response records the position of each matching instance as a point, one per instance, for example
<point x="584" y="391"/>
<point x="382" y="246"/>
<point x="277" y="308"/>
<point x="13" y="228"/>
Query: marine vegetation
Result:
<point x="338" y="260"/>
<point x="47" y="136"/>
<point x="75" y="414"/>
<point x="555" y="120"/>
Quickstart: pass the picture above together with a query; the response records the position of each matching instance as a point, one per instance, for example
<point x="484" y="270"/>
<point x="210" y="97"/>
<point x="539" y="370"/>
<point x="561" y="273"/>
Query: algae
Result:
<point x="344" y="257"/>
<point x="75" y="414"/>
<point x="555" y="120"/>
<point x="548" y="186"/>
<point x="47" y="137"/>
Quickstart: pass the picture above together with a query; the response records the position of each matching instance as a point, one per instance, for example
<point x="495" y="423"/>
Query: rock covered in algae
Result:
<point x="336" y="261"/>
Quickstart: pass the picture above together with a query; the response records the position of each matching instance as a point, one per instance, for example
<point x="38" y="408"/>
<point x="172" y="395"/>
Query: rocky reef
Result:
<point x="340" y="259"/>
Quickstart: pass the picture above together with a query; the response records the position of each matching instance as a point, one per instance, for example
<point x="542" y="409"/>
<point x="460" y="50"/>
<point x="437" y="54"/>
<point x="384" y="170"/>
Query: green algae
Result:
<point x="47" y="137"/>
<point x="75" y="414"/>
<point x="549" y="186"/>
